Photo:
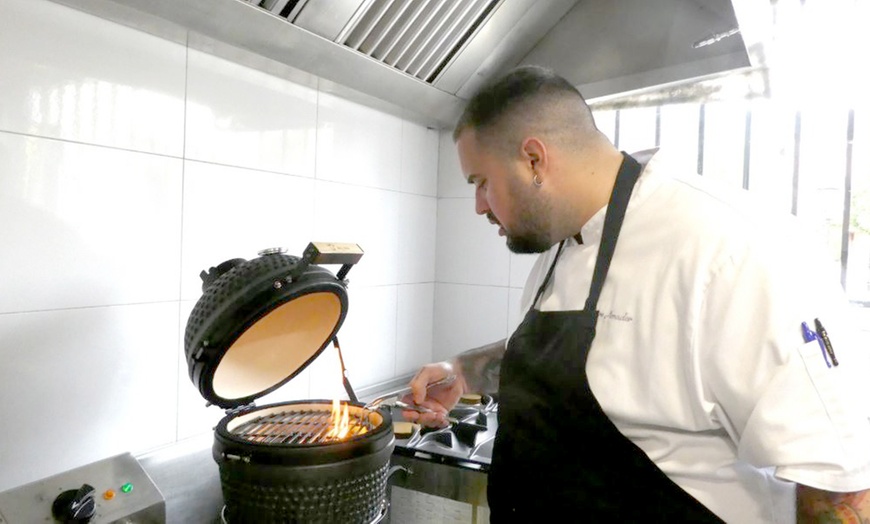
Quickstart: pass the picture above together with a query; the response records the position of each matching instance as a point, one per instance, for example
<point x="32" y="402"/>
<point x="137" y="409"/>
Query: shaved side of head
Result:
<point x="529" y="101"/>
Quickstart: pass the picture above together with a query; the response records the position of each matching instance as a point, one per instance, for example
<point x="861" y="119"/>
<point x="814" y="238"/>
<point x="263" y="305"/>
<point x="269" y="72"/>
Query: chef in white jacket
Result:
<point x="683" y="357"/>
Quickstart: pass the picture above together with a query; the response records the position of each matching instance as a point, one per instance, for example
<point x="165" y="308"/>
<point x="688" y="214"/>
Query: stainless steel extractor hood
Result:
<point x="423" y="58"/>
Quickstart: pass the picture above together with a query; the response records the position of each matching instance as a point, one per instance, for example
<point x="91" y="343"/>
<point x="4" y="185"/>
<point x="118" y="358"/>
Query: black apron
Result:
<point x="557" y="456"/>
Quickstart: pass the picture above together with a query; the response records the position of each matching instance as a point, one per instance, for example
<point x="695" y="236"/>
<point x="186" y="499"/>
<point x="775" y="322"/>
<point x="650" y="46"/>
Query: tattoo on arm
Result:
<point x="481" y="367"/>
<point x="814" y="505"/>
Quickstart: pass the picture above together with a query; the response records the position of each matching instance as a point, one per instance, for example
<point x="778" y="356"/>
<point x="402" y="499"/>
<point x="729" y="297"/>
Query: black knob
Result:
<point x="75" y="506"/>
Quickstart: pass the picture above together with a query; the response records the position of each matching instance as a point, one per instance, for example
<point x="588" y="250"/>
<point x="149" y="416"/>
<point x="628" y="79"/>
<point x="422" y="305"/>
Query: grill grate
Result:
<point x="301" y="427"/>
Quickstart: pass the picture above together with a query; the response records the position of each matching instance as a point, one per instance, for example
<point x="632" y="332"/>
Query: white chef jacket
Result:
<point x="699" y="357"/>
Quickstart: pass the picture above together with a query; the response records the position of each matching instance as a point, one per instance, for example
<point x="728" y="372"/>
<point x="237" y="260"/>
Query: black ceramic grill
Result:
<point x="278" y="463"/>
<point x="257" y="325"/>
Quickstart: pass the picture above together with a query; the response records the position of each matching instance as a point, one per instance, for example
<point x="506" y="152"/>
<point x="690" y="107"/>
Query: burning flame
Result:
<point x="340" y="426"/>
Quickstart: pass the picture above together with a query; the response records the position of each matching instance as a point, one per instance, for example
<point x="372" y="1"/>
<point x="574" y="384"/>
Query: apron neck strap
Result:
<point x="629" y="172"/>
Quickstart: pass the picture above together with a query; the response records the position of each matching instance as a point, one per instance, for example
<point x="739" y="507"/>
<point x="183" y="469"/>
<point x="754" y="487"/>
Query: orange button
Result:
<point x="109" y="494"/>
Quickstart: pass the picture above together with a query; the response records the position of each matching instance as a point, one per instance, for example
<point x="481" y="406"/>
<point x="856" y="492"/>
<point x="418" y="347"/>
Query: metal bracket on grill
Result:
<point x="344" y="379"/>
<point x="238" y="409"/>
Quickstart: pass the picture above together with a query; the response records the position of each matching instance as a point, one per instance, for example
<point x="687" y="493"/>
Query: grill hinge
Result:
<point x="238" y="409"/>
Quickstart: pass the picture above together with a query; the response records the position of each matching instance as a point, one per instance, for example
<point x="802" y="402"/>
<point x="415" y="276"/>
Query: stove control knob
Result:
<point x="75" y="506"/>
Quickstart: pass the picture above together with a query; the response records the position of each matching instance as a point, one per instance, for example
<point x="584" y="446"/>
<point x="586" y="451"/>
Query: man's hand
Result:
<point x="815" y="505"/>
<point x="440" y="399"/>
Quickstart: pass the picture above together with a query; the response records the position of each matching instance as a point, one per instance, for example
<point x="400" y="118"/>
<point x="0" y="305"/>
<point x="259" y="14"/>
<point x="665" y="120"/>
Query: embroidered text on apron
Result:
<point x="556" y="451"/>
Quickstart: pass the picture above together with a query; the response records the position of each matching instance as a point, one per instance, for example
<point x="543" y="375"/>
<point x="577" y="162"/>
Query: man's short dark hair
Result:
<point x="520" y="98"/>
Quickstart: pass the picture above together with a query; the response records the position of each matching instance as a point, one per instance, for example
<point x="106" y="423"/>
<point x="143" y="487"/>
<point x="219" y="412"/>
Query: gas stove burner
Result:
<point x="467" y="442"/>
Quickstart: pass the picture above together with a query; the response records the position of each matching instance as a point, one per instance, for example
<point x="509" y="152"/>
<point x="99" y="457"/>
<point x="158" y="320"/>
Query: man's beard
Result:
<point x="528" y="243"/>
<point x="534" y="215"/>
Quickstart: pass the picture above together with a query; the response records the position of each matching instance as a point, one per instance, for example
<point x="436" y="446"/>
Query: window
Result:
<point x="804" y="148"/>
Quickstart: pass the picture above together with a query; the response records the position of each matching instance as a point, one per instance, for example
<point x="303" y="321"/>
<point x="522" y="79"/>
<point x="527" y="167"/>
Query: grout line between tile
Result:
<point x="98" y="306"/>
<point x="179" y="335"/>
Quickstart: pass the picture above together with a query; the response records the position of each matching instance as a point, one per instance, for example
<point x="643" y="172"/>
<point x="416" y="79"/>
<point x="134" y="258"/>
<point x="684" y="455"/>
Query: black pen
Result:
<point x="826" y="341"/>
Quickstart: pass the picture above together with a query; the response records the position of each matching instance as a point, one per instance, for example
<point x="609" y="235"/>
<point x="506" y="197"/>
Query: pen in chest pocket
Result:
<point x="810" y="335"/>
<point x="826" y="341"/>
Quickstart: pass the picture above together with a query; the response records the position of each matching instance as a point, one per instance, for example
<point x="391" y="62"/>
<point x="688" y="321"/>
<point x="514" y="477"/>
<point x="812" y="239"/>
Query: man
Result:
<point x="663" y="371"/>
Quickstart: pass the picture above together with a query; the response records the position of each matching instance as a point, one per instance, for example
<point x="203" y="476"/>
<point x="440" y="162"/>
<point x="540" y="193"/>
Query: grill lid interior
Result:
<point x="285" y="339"/>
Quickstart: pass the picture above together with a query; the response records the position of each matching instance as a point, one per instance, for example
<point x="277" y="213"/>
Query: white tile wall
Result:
<point x="415" y="318"/>
<point x="242" y="117"/>
<point x="419" y="159"/>
<point x="467" y="317"/>
<point x="111" y="207"/>
<point x="451" y="183"/>
<point x="86" y="225"/>
<point x="365" y="216"/>
<point x="231" y="212"/>
<point x="469" y="249"/>
<point x="368" y="338"/>
<point x="417" y="220"/>
<point x="85" y="383"/>
<point x="357" y="145"/>
<point x="72" y="76"/>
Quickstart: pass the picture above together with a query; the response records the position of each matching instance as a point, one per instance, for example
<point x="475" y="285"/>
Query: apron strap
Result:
<point x="628" y="174"/>
<point x="543" y="285"/>
<point x="629" y="171"/>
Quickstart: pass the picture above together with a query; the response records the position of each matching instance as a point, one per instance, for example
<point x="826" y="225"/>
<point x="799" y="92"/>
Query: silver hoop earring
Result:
<point x="537" y="181"/>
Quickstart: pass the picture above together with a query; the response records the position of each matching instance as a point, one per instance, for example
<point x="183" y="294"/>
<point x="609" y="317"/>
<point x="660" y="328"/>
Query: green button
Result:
<point x="127" y="488"/>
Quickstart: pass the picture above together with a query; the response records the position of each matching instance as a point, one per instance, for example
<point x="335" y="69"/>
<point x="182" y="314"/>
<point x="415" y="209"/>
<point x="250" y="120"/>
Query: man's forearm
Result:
<point x="481" y="367"/>
<point x="815" y="506"/>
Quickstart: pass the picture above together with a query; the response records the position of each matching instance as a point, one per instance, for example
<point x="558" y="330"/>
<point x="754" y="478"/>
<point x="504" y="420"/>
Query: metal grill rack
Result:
<point x="300" y="427"/>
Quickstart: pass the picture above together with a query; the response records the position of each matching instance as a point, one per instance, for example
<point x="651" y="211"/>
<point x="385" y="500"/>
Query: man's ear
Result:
<point x="534" y="155"/>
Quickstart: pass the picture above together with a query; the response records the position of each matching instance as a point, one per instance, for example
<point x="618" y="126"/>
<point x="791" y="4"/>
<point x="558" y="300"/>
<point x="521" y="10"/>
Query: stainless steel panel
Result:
<point x="143" y="502"/>
<point x="418" y="32"/>
<point x="372" y="19"/>
<point x="188" y="477"/>
<point x="633" y="44"/>
<point x="390" y="29"/>
<point x="449" y="39"/>
<point x="512" y="30"/>
<point x="451" y="482"/>
<point x="326" y="18"/>
<point x="402" y="34"/>
<point x="432" y="34"/>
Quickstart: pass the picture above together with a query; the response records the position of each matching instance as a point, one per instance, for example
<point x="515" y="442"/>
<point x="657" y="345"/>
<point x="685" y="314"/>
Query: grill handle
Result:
<point x="396" y="469"/>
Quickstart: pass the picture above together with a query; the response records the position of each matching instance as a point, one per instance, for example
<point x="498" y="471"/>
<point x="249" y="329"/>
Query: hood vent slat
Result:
<point x="416" y="37"/>
<point x="462" y="25"/>
<point x="448" y="12"/>
<point x="369" y="21"/>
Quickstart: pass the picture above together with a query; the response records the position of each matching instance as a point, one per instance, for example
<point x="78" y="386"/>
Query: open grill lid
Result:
<point x="260" y="322"/>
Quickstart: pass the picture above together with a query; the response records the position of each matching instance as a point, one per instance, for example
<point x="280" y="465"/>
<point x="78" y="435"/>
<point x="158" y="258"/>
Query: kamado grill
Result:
<point x="258" y="324"/>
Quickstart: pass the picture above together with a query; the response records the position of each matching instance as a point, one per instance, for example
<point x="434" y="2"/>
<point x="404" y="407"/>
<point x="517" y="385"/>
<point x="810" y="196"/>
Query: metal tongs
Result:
<point x="393" y="399"/>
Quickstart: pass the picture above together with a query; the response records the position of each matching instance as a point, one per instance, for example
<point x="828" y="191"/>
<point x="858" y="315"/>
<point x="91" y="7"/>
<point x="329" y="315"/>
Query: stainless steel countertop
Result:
<point x="188" y="477"/>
